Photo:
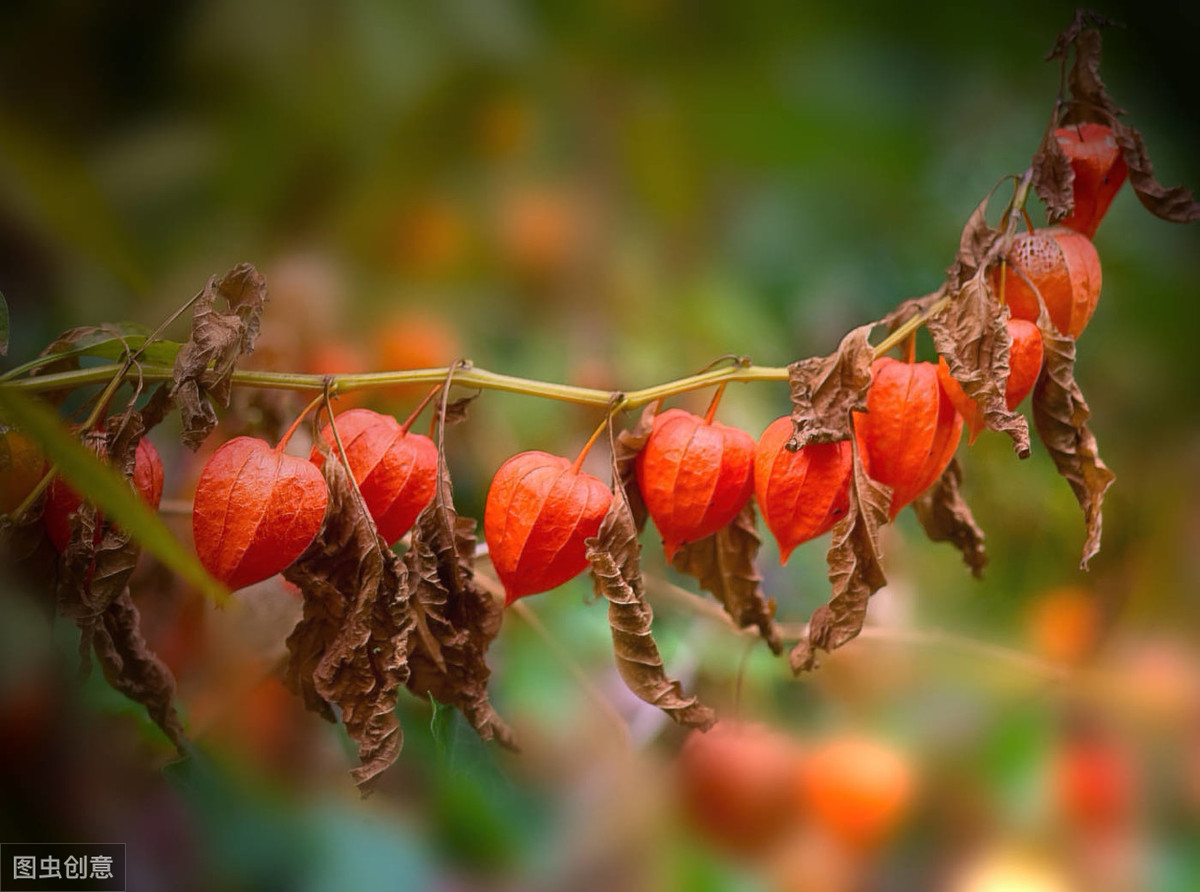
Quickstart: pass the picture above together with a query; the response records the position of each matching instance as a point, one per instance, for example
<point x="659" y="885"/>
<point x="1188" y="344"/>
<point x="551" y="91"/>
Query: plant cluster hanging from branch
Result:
<point x="867" y="435"/>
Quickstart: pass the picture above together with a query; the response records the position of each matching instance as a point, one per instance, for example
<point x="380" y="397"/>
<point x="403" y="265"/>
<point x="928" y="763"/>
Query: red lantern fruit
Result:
<point x="695" y="475"/>
<point x="1065" y="268"/>
<point x="396" y="471"/>
<point x="801" y="494"/>
<point x="62" y="501"/>
<point x="910" y="430"/>
<point x="736" y="783"/>
<point x="256" y="510"/>
<point x="1099" y="172"/>
<point x="1024" y="365"/>
<point x="540" y="509"/>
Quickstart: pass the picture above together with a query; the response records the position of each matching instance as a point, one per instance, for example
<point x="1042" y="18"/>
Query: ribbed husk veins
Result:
<point x="395" y="470"/>
<point x="539" y="513"/>
<point x="1065" y="268"/>
<point x="1024" y="365"/>
<point x="910" y="430"/>
<point x="62" y="501"/>
<point x="255" y="511"/>
<point x="1099" y="169"/>
<point x="801" y="494"/>
<point x="694" y="476"/>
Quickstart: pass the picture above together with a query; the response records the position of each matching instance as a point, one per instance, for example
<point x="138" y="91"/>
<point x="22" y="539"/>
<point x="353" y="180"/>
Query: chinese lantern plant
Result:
<point x="910" y="430"/>
<point x="1024" y="365"/>
<point x="396" y="470"/>
<point x="256" y="509"/>
<point x="1099" y="169"/>
<point x="62" y="502"/>
<point x="800" y="493"/>
<point x="695" y="474"/>
<point x="1062" y="265"/>
<point x="540" y="510"/>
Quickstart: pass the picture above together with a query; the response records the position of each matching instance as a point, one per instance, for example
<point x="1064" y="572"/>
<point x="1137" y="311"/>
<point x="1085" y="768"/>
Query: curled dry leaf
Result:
<point x="971" y="334"/>
<point x="946" y="518"/>
<point x="135" y="670"/>
<point x="456" y="618"/>
<point x="1060" y="415"/>
<point x="855" y="571"/>
<point x="629" y="444"/>
<point x="723" y="563"/>
<point x="1176" y="203"/>
<point x="351" y="643"/>
<point x="1053" y="176"/>
<point x="614" y="554"/>
<point x="92" y="589"/>
<point x="826" y="389"/>
<point x="204" y="365"/>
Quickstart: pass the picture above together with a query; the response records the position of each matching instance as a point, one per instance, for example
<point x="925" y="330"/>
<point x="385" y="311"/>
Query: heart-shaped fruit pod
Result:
<point x="910" y="430"/>
<point x="255" y="511"/>
<point x="62" y="501"/>
<point x="801" y="494"/>
<point x="1024" y="364"/>
<point x="395" y="470"/>
<point x="540" y="509"/>
<point x="1064" y="266"/>
<point x="695" y="476"/>
<point x="1099" y="172"/>
<point x="21" y="468"/>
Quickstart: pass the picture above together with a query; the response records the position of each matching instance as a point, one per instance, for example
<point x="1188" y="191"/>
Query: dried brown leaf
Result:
<point x="947" y="518"/>
<point x="614" y="555"/>
<point x="1176" y="204"/>
<point x="826" y="389"/>
<point x="456" y="619"/>
<point x="349" y="647"/>
<point x="1084" y="76"/>
<point x="1060" y="415"/>
<point x="723" y="563"/>
<point x="205" y="364"/>
<point x="971" y="333"/>
<point x="1053" y="176"/>
<point x="855" y="571"/>
<point x="92" y="588"/>
<point x="133" y="669"/>
<point x="629" y="443"/>
<point x="975" y="243"/>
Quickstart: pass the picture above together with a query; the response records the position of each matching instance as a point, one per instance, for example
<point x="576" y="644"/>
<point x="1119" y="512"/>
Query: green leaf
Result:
<point x="3" y="326"/>
<point x="104" y="342"/>
<point x="105" y="487"/>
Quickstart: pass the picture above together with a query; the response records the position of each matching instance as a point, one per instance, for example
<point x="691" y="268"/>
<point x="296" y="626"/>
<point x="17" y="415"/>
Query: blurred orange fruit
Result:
<point x="735" y="781"/>
<point x="1064" y="624"/>
<point x="21" y="468"/>
<point x="337" y="356"/>
<point x="415" y="339"/>
<point x="541" y="229"/>
<point x="858" y="790"/>
<point x="432" y="237"/>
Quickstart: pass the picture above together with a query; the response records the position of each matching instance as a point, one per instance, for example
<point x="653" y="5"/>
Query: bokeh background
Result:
<point x="614" y="195"/>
